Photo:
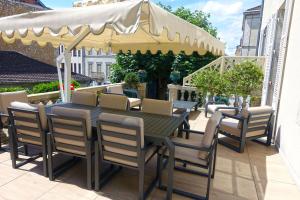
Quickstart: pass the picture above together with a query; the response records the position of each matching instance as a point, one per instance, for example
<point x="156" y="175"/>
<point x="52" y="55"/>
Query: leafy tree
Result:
<point x="159" y="66"/>
<point x="132" y="80"/>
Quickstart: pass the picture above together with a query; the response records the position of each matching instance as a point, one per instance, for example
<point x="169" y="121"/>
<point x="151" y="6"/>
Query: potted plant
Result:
<point x="244" y="79"/>
<point x="175" y="77"/>
<point x="142" y="74"/>
<point x="131" y="80"/>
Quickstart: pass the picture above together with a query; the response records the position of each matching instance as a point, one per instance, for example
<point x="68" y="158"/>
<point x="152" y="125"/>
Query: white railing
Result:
<point x="176" y="90"/>
<point x="224" y="63"/>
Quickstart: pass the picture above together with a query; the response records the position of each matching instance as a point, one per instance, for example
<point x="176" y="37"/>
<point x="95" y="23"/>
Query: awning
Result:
<point x="129" y="25"/>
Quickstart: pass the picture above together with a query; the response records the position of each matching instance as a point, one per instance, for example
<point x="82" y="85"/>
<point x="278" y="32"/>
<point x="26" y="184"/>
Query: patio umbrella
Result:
<point x="122" y="26"/>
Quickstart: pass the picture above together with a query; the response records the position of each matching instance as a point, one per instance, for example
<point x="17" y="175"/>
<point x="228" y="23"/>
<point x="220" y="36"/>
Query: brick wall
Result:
<point x="45" y="54"/>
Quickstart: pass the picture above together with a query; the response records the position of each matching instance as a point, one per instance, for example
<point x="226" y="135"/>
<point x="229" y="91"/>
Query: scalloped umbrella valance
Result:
<point x="127" y="25"/>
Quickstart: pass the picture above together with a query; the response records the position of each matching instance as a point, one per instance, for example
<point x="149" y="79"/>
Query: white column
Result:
<point x="59" y="60"/>
<point x="68" y="77"/>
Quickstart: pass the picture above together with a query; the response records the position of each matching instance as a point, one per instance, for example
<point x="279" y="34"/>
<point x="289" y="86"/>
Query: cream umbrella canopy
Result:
<point x="121" y="26"/>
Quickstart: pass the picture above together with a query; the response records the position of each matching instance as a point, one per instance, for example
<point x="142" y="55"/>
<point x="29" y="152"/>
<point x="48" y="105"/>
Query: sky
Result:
<point x="226" y="15"/>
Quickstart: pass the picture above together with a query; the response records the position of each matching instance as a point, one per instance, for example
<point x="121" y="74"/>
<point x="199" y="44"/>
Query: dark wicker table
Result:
<point x="157" y="129"/>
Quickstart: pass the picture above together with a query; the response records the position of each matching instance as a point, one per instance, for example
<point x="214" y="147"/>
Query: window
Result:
<point x="90" y="68"/>
<point x="72" y="69"/>
<point x="79" y="53"/>
<point x="74" y="53"/>
<point x="62" y="49"/>
<point x="108" y="65"/>
<point x="62" y="65"/>
<point x="79" y="68"/>
<point x="90" y="52"/>
<point x="75" y="67"/>
<point x="99" y="65"/>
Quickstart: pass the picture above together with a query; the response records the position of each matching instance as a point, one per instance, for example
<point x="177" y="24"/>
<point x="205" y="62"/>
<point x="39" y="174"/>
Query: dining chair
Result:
<point x="70" y="134"/>
<point x="160" y="107"/>
<point x="133" y="101"/>
<point x="252" y="124"/>
<point x="195" y="153"/>
<point x="121" y="142"/>
<point x="114" y="101"/>
<point x="28" y="125"/>
<point x="5" y="99"/>
<point x="84" y="98"/>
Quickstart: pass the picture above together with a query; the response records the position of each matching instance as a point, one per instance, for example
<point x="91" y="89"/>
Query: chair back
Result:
<point x="258" y="119"/>
<point x="8" y="97"/>
<point x="116" y="89"/>
<point x="159" y="107"/>
<point x="29" y="122"/>
<point x="84" y="98"/>
<point x="70" y="129"/>
<point x="121" y="138"/>
<point x="211" y="129"/>
<point x="114" y="101"/>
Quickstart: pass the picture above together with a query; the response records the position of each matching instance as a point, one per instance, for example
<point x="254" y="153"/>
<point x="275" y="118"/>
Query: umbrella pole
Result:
<point x="68" y="55"/>
<point x="58" y="61"/>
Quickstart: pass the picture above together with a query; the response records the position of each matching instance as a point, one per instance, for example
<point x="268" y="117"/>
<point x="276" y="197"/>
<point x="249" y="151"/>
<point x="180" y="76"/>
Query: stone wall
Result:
<point x="45" y="54"/>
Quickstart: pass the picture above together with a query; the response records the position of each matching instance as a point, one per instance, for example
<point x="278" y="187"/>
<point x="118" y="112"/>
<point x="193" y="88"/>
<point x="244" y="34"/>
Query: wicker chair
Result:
<point x="121" y="142"/>
<point x="198" y="153"/>
<point x="251" y="124"/>
<point x="84" y="98"/>
<point x="70" y="134"/>
<point x="5" y="99"/>
<point x="118" y="89"/>
<point x="28" y="125"/>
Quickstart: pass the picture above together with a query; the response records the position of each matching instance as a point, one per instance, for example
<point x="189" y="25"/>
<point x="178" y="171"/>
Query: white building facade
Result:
<point x="92" y="63"/>
<point x="279" y="43"/>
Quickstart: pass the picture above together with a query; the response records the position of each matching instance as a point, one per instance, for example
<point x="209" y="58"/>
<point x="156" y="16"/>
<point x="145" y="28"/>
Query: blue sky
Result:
<point x="226" y="15"/>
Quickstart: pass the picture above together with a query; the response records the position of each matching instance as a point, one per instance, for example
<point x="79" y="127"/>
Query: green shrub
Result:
<point x="11" y="89"/>
<point x="50" y="87"/>
<point x="132" y="80"/>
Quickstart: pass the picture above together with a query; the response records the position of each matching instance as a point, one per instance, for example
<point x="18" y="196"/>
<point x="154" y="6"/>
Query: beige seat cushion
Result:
<point x="116" y="89"/>
<point x="133" y="102"/>
<point x="261" y="110"/>
<point x="31" y="107"/>
<point x="232" y="127"/>
<point x="68" y="112"/>
<point x="112" y="101"/>
<point x="7" y="97"/>
<point x="84" y="98"/>
<point x="158" y="107"/>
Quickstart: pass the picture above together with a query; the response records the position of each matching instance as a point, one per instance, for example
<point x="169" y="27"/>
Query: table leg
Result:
<point x="171" y="148"/>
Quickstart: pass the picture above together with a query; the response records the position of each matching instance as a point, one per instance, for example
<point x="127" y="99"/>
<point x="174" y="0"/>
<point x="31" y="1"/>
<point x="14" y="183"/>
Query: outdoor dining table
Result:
<point x="157" y="130"/>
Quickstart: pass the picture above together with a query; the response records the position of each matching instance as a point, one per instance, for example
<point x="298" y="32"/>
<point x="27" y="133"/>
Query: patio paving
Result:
<point x="259" y="173"/>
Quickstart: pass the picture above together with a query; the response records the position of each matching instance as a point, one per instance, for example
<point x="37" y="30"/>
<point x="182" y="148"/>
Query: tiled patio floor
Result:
<point x="259" y="173"/>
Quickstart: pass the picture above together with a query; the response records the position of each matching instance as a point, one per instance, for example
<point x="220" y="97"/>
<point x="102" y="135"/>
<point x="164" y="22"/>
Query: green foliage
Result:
<point x="210" y="81"/>
<point x="244" y="78"/>
<point x="241" y="80"/>
<point x="50" y="87"/>
<point x="132" y="80"/>
<point x="197" y="17"/>
<point x="11" y="89"/>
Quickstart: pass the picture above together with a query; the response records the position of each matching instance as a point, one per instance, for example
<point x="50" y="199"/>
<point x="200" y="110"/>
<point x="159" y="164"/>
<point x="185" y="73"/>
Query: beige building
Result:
<point x="10" y="7"/>
<point x="279" y="42"/>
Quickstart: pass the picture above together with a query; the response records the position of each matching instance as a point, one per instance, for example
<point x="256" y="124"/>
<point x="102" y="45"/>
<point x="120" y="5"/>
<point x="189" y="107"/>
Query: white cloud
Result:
<point x="223" y="8"/>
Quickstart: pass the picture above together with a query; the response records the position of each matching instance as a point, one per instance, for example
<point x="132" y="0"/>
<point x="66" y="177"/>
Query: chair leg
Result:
<point x="97" y="167"/>
<point x="141" y="182"/>
<point x="214" y="161"/>
<point x="209" y="179"/>
<point x="44" y="152"/>
<point x="13" y="148"/>
<point x="25" y="148"/>
<point x="50" y="161"/>
<point x="242" y="145"/>
<point x="89" y="171"/>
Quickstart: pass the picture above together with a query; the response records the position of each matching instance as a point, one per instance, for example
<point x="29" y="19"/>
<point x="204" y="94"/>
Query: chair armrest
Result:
<point x="229" y="108"/>
<point x="238" y="117"/>
<point x="196" y="132"/>
<point x="191" y="147"/>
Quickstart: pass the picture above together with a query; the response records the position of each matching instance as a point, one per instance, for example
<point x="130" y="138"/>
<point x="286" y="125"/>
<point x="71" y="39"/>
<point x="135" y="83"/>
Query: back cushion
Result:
<point x="78" y="113"/>
<point x="32" y="107"/>
<point x="7" y="97"/>
<point x="113" y="101"/>
<point x="117" y="89"/>
<point x="211" y="128"/>
<point x="84" y="98"/>
<point x="158" y="107"/>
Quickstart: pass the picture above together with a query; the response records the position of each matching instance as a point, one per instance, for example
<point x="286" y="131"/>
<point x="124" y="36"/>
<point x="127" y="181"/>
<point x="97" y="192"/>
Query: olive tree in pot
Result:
<point x="131" y="84"/>
<point x="244" y="79"/>
<point x="211" y="83"/>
